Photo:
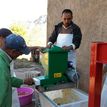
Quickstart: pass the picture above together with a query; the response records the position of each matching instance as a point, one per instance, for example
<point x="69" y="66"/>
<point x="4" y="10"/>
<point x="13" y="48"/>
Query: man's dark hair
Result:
<point x="4" y="32"/>
<point x="67" y="11"/>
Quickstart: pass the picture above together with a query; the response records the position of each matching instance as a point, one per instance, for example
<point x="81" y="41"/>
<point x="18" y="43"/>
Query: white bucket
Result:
<point x="64" y="98"/>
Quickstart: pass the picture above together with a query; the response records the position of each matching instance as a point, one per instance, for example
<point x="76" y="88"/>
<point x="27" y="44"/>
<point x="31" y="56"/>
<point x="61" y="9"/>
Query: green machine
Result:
<point x="55" y="64"/>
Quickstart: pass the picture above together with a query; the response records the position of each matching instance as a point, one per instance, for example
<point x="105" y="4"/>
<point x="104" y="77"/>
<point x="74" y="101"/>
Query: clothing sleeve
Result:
<point x="4" y="84"/>
<point x="53" y="36"/>
<point x="77" y="37"/>
<point x="16" y="82"/>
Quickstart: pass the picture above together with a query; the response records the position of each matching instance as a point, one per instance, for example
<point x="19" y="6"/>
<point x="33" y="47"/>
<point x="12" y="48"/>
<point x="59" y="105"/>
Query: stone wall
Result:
<point x="91" y="16"/>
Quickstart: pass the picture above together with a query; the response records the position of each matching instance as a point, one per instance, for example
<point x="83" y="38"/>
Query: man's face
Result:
<point x="14" y="54"/>
<point x="1" y="41"/>
<point x="66" y="19"/>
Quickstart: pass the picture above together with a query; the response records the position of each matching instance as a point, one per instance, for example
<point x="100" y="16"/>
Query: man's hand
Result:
<point x="42" y="49"/>
<point x="29" y="81"/>
<point x="49" y="45"/>
<point x="68" y="48"/>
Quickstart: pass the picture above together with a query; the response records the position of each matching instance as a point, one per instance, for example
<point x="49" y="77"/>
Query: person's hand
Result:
<point x="42" y="49"/>
<point x="29" y="81"/>
<point x="49" y="46"/>
<point x="68" y="48"/>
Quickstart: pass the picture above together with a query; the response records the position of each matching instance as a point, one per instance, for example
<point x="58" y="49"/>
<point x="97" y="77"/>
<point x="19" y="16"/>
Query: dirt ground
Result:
<point x="24" y="68"/>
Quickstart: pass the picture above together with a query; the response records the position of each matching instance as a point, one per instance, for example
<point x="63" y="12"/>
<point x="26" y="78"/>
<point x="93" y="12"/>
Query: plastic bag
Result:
<point x="104" y="94"/>
<point x="73" y="75"/>
<point x="15" y="99"/>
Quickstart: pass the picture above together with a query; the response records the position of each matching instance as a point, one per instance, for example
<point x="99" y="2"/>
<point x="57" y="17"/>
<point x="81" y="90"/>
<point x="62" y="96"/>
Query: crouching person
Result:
<point x="14" y="46"/>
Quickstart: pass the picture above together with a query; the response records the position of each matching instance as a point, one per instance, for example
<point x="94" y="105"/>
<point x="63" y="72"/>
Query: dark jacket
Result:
<point x="77" y="36"/>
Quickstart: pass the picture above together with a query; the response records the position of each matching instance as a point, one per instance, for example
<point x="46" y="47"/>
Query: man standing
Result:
<point x="14" y="46"/>
<point x="67" y="35"/>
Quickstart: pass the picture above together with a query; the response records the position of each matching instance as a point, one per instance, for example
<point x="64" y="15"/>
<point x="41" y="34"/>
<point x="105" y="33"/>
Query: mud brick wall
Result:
<point x="91" y="16"/>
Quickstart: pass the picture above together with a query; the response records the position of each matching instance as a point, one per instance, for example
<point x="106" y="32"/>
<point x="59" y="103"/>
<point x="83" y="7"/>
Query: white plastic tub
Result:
<point x="63" y="98"/>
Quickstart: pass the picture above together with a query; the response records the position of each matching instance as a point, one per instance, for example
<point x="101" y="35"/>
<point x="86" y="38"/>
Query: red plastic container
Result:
<point x="25" y="95"/>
